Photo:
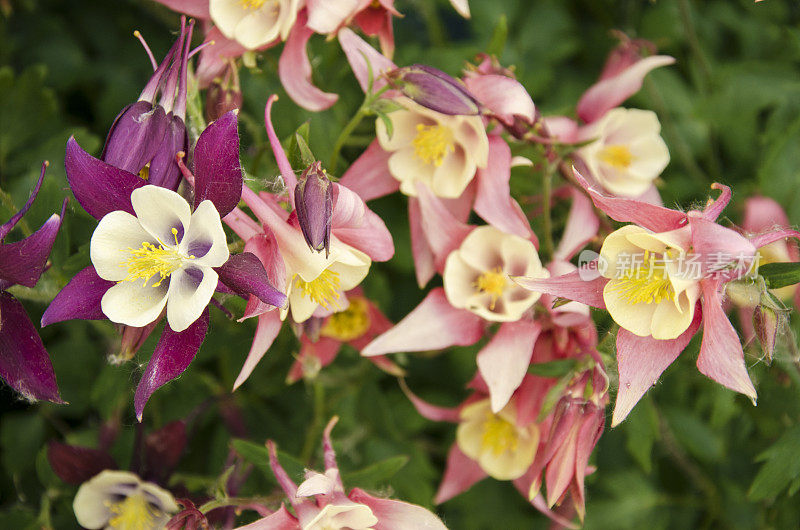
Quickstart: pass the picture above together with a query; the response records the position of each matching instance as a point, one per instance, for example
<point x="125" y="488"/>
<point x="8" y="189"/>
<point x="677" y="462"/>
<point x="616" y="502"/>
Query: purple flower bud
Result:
<point x="313" y="199"/>
<point x="434" y="89"/>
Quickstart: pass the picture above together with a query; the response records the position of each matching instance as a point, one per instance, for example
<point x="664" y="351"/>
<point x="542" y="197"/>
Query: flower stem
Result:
<point x="345" y="135"/>
<point x="547" y="197"/>
<point x="317" y="423"/>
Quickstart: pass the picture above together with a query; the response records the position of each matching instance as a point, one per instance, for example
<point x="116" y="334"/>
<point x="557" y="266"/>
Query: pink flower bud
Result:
<point x="314" y="204"/>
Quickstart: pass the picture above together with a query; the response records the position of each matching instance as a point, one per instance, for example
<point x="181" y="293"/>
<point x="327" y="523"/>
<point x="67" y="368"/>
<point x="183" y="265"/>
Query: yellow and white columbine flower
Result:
<point x="314" y="281"/>
<point x="254" y="23"/>
<point x="161" y="257"/>
<point x="503" y="449"/>
<point x="121" y="500"/>
<point x="440" y="150"/>
<point x="629" y="153"/>
<point x="476" y="275"/>
<point x="653" y="286"/>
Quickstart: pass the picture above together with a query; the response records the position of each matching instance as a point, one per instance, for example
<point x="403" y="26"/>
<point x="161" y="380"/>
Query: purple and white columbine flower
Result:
<point x="24" y="363"/>
<point x="161" y="257"/>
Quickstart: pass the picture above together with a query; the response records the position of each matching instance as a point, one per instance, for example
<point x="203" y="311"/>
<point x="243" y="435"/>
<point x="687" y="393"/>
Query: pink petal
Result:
<point x="762" y="214"/>
<point x="650" y="216"/>
<point x="330" y="454"/>
<point x="569" y="286"/>
<point x="641" y="361"/>
<point x="502" y="96"/>
<point x="459" y="475"/>
<point x="325" y="350"/>
<point x="429" y="411"/>
<point x="562" y="128"/>
<point x="192" y="8"/>
<point x="241" y="224"/>
<point x="493" y="200"/>
<point x="360" y="55"/>
<point x="715" y="243"/>
<point x="610" y="92"/>
<point x="215" y="58"/>
<point x="593" y="424"/>
<point x="433" y="325"/>
<point x="358" y="226"/>
<point x="285" y="167"/>
<point x="442" y="230"/>
<point x="721" y="357"/>
<point x="715" y="208"/>
<point x="369" y="175"/>
<point x="504" y="361"/>
<point x="771" y="237"/>
<point x="280" y="520"/>
<point x="397" y="515"/>
<point x="424" y="268"/>
<point x="582" y="225"/>
<point x="294" y="69"/>
<point x="561" y="468"/>
<point x="269" y="324"/>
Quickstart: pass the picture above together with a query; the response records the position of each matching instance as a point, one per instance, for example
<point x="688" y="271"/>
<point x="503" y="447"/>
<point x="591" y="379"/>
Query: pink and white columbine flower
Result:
<point x="628" y="153"/>
<point x="164" y="256"/>
<point x="254" y="23"/>
<point x="664" y="300"/>
<point x="320" y="502"/>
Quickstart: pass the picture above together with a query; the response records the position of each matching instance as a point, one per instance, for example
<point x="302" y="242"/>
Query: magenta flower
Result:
<point x="24" y="363"/>
<point x="320" y="502"/>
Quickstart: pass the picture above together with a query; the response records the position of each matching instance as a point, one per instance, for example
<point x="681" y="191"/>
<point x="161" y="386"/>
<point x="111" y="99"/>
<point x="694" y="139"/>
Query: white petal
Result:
<point x="259" y="27"/>
<point x="404" y="129"/>
<point x="190" y="291"/>
<point x="165" y="500"/>
<point x="482" y="248"/>
<point x="205" y="239"/>
<point x="454" y="175"/>
<point x="636" y="318"/>
<point x="226" y="14"/>
<point x="90" y="502"/>
<point x="115" y="235"/>
<point x="133" y="303"/>
<point x="160" y="211"/>
<point x="406" y="167"/>
<point x="459" y="280"/>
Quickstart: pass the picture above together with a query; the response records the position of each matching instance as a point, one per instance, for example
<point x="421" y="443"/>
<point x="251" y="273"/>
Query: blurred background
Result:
<point x="691" y="455"/>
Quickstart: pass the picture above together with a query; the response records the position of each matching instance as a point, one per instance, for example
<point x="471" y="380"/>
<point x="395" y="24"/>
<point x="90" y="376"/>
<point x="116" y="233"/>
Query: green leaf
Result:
<point x="297" y="149"/>
<point x="695" y="435"/>
<point x="641" y="430"/>
<point x="781" y="466"/>
<point x="558" y="368"/>
<point x="259" y="456"/>
<point x="375" y="474"/>
<point x="387" y="121"/>
<point x="778" y="275"/>
<point x="499" y="37"/>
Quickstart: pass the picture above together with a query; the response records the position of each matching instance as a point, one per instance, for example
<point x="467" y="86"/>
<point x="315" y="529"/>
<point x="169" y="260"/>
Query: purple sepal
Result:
<point x="135" y="137"/>
<point x="245" y="275"/>
<point x="11" y="223"/>
<point x="217" y="170"/>
<point x="24" y="261"/>
<point x="99" y="187"/>
<point x="434" y="89"/>
<point x="75" y="465"/>
<point x="313" y="200"/>
<point x="164" y="169"/>
<point x="24" y="363"/>
<point x="79" y="299"/>
<point x="174" y="352"/>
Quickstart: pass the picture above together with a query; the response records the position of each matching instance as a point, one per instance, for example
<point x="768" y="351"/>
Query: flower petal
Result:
<point x="216" y="166"/>
<point x="269" y="324"/>
<point x="397" y="515"/>
<point x="173" y="354"/>
<point x="134" y="303"/>
<point x="24" y="363"/>
<point x="79" y="299"/>
<point x="193" y="8"/>
<point x="245" y="275"/>
<point x="429" y="411"/>
<point x="459" y="475"/>
<point x="356" y="225"/>
<point x="160" y="211"/>
<point x="24" y="261"/>
<point x="582" y="225"/>
<point x="6" y="227"/>
<point x="115" y="236"/>
<point x="442" y="230"/>
<point x="190" y="291"/>
<point x="99" y="187"/>
<point x="433" y="325"/>
<point x="369" y="175"/>
<point x="570" y="286"/>
<point x="205" y="239"/>
<point x="503" y="96"/>
<point x="364" y="59"/>
<point x="424" y="268"/>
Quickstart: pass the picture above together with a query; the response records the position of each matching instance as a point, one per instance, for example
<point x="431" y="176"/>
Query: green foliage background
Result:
<point x="691" y="455"/>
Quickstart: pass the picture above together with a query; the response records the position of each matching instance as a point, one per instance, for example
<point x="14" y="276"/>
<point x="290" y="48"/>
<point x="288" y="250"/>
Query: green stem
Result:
<point x="345" y="134"/>
<point x="317" y="424"/>
<point x="547" y="197"/>
<point x="234" y="501"/>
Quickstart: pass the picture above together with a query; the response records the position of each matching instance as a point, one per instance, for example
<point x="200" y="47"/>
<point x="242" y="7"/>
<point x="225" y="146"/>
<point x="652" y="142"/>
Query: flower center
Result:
<point x="492" y="282"/>
<point x="499" y="435"/>
<point x="252" y="4"/>
<point x="647" y="283"/>
<point x="432" y="143"/>
<point x="149" y="260"/>
<point x="134" y="513"/>
<point x="324" y="289"/>
<point x="618" y="156"/>
<point x="349" y="324"/>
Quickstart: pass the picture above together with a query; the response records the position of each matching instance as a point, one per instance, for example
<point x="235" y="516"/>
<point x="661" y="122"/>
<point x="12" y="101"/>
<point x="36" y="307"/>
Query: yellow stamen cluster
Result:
<point x="149" y="260"/>
<point x="324" y="289"/>
<point x="349" y="324"/>
<point x="492" y="282"/>
<point x="133" y="513"/>
<point x="432" y="143"/>
<point x="499" y="435"/>
<point x="251" y="4"/>
<point x="618" y="156"/>
<point x="648" y="283"/>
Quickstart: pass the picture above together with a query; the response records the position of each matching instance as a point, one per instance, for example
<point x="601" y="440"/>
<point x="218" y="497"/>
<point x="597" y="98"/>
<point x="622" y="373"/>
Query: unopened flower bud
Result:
<point x="221" y="99"/>
<point x="744" y="293"/>
<point x="434" y="89"/>
<point x="313" y="199"/>
<point x="767" y="323"/>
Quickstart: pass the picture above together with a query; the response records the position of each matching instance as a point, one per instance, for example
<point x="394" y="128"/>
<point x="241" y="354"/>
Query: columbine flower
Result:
<point x="439" y="150"/>
<point x="320" y="502"/>
<point x="120" y="499"/>
<point x="476" y="276"/>
<point x="24" y="363"/>
<point x="628" y="154"/>
<point x="161" y="257"/>
<point x="254" y="23"/>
